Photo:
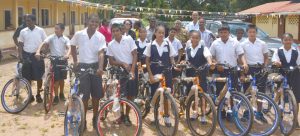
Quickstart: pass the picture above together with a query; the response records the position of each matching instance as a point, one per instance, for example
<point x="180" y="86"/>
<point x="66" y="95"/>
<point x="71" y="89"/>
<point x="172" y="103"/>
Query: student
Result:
<point x="30" y="39"/>
<point x="175" y="43"/>
<point x="198" y="55"/>
<point x="141" y="44"/>
<point x="159" y="50"/>
<point x="240" y="35"/>
<point x="91" y="45"/>
<point x="58" y="45"/>
<point x="122" y="52"/>
<point x="128" y="31"/>
<point x="227" y="50"/>
<point x="285" y="57"/>
<point x="104" y="29"/>
<point x="150" y="30"/>
<point x="256" y="52"/>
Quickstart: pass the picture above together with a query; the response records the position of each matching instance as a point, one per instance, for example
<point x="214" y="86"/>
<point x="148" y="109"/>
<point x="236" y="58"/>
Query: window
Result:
<point x="64" y="18"/>
<point x="20" y="15"/>
<point x="82" y="18"/>
<point x="45" y="17"/>
<point x="73" y="21"/>
<point x="33" y="12"/>
<point x="7" y="19"/>
<point x="214" y="28"/>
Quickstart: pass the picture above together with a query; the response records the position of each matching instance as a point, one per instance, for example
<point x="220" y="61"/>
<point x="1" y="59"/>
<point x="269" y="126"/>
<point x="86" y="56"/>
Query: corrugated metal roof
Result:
<point x="273" y="7"/>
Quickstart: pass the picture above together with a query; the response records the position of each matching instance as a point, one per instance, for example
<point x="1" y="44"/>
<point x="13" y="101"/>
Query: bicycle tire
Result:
<point x="82" y="115"/>
<point x="214" y="122"/>
<point x="271" y="104"/>
<point x="246" y="130"/>
<point x="48" y="94"/>
<point x="176" y="115"/>
<point x="144" y="95"/>
<point x="28" y="88"/>
<point x="295" y="113"/>
<point x="108" y="104"/>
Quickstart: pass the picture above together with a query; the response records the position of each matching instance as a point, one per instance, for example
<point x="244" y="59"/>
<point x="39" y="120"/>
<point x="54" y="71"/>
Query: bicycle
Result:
<point x="284" y="97"/>
<point x="268" y="125"/>
<point x="109" y="116"/>
<point x="179" y="89"/>
<point x="162" y="102"/>
<point x="198" y="98"/>
<point x="231" y="104"/>
<point x="17" y="91"/>
<point x="143" y="98"/>
<point x="49" y="82"/>
<point x="74" y="120"/>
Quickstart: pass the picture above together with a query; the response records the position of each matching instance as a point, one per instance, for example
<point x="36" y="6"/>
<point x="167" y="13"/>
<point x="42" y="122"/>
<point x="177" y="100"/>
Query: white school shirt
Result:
<point x="122" y="51"/>
<point x="160" y="48"/>
<point x="189" y="44"/>
<point x="88" y="48"/>
<point x="58" y="45"/>
<point x="287" y="54"/>
<point x="32" y="39"/>
<point x="143" y="44"/>
<point x="205" y="36"/>
<point x="176" y="44"/>
<point x="150" y="33"/>
<point x="226" y="52"/>
<point x="206" y="52"/>
<point x="242" y="40"/>
<point x="254" y="52"/>
<point x="191" y="26"/>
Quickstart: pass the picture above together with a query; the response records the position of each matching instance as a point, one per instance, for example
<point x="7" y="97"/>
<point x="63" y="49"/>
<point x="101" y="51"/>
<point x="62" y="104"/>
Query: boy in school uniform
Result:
<point x="30" y="39"/>
<point x="159" y="50"/>
<point x="175" y="43"/>
<point x="58" y="45"/>
<point x="256" y="52"/>
<point x="91" y="45"/>
<point x="122" y="52"/>
<point x="198" y="55"/>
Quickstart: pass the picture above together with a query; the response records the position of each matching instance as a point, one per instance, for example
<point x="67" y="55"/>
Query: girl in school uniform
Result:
<point x="141" y="44"/>
<point x="287" y="56"/>
<point x="159" y="50"/>
<point x="198" y="55"/>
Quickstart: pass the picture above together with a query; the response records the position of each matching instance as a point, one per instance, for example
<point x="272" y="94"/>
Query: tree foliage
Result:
<point x="203" y="5"/>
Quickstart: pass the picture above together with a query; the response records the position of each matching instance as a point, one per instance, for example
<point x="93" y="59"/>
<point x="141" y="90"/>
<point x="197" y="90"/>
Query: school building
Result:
<point x="73" y="13"/>
<point x="277" y="18"/>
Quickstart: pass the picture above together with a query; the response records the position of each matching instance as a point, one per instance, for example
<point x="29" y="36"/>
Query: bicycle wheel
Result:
<point x="197" y="127"/>
<point x="112" y="125"/>
<point x="166" y="123"/>
<point x="289" y="113"/>
<point x="230" y="115"/>
<point x="271" y="120"/>
<point x="48" y="93"/>
<point x="74" y="118"/>
<point x="16" y="95"/>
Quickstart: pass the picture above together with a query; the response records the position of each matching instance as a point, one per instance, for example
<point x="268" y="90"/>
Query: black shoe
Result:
<point x="31" y="99"/>
<point x="127" y="121"/>
<point x="95" y="123"/>
<point x="55" y="100"/>
<point x="260" y="116"/>
<point x="223" y="114"/>
<point x="38" y="98"/>
<point x="62" y="97"/>
<point x="245" y="117"/>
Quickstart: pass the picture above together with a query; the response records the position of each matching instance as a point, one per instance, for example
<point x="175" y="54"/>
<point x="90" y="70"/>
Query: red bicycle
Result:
<point x="49" y="82"/>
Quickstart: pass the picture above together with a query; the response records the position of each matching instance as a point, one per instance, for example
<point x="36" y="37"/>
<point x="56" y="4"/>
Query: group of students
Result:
<point x="123" y="51"/>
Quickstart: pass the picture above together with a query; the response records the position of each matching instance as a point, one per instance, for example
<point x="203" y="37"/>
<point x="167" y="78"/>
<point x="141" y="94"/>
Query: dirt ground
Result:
<point x="34" y="122"/>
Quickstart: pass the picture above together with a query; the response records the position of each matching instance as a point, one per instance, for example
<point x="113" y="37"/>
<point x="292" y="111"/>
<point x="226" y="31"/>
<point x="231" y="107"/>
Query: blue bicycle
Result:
<point x="74" y="121"/>
<point x="231" y="104"/>
<point x="264" y="123"/>
<point x="278" y="88"/>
